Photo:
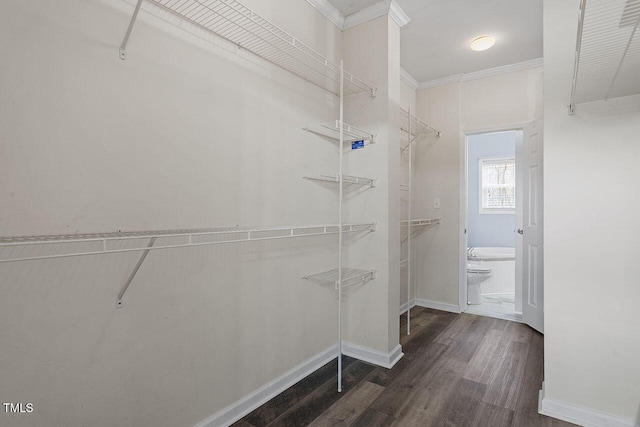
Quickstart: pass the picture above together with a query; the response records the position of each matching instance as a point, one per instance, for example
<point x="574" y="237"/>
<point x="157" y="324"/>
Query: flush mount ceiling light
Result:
<point x="482" y="43"/>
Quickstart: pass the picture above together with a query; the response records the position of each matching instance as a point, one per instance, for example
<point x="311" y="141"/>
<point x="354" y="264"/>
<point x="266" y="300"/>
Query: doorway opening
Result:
<point x="493" y="210"/>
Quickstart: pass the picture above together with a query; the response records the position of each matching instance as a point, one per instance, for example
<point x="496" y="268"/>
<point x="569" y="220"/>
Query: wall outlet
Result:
<point x="436" y="203"/>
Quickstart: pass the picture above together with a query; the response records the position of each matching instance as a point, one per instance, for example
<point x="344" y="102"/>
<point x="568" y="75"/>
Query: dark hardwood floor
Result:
<point x="457" y="370"/>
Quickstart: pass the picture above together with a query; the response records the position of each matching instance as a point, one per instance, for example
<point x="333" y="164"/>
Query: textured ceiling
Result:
<point x="435" y="43"/>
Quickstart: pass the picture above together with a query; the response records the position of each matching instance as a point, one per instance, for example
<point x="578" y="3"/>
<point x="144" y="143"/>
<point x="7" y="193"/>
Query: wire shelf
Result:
<point x="420" y="222"/>
<point x="246" y="29"/>
<point x="13" y="249"/>
<point x="350" y="133"/>
<point x="346" y="179"/>
<point x="419" y="130"/>
<point x="350" y="276"/>
<point x="607" y="62"/>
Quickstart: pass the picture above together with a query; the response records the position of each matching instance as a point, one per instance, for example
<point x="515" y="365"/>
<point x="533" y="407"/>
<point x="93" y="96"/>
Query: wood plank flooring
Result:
<point x="458" y="370"/>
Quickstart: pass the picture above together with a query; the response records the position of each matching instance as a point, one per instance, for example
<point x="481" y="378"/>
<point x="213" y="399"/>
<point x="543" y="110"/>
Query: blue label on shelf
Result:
<point x="357" y="144"/>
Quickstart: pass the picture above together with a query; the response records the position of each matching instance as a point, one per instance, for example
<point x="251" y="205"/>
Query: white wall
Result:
<point x="592" y="340"/>
<point x="487" y="104"/>
<point x="407" y="96"/>
<point x="186" y="133"/>
<point x="372" y="51"/>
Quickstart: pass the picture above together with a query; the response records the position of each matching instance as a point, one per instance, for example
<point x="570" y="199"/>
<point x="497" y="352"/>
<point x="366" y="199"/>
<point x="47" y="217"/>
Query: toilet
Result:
<point x="476" y="274"/>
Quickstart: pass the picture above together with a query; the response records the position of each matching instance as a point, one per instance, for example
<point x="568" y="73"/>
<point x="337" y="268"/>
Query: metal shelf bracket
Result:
<point x="123" y="46"/>
<point x="134" y="272"/>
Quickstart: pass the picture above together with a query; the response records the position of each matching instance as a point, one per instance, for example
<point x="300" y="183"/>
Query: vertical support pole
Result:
<point x="123" y="46"/>
<point x="340" y="195"/>
<point x="409" y="228"/>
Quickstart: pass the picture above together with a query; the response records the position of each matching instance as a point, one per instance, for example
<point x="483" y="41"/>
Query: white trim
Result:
<point x="377" y="10"/>
<point x="490" y="72"/>
<point x="505" y="69"/>
<point x="330" y="11"/>
<point x="398" y="15"/>
<point x="385" y="7"/>
<point x="463" y="219"/>
<point x="494" y="129"/>
<point x="437" y="305"/>
<point x="578" y="414"/>
<point x="373" y="356"/>
<point x="408" y="79"/>
<point x="456" y="78"/>
<point x="242" y="407"/>
<point x="367" y="14"/>
<point x="403" y="307"/>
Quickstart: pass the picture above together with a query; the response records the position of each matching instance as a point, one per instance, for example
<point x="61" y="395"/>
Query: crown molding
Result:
<point x="408" y="79"/>
<point x="330" y="11"/>
<point x="386" y="7"/>
<point x="367" y="14"/>
<point x="398" y="15"/>
<point x="456" y="78"/>
<point x="505" y="69"/>
<point x="482" y="74"/>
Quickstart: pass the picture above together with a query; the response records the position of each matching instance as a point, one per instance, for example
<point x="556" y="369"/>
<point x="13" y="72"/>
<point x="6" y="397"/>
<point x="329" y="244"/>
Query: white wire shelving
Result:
<point x="413" y="131"/>
<point x="31" y="248"/>
<point x="342" y="276"/>
<point x="243" y="27"/>
<point x="607" y="56"/>
<point x="346" y="179"/>
<point x="349" y="133"/>
<point x="350" y="276"/>
<point x="420" y="222"/>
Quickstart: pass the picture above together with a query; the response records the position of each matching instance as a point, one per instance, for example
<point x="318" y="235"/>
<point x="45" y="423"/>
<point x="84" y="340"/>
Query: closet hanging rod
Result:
<point x="97" y="244"/>
<point x="241" y="26"/>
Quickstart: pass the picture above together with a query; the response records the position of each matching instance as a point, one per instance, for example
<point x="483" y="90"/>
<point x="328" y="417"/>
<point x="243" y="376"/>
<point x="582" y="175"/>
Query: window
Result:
<point x="498" y="185"/>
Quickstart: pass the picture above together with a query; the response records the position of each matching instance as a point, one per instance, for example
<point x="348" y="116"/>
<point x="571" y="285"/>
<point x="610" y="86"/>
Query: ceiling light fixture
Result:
<point x="482" y="43"/>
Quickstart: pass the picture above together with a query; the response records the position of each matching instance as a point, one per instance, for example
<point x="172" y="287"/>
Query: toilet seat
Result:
<point x="478" y="269"/>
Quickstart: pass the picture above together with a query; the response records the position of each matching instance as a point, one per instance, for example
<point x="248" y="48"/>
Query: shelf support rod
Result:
<point x="410" y="217"/>
<point x="572" y="103"/>
<point x="123" y="46"/>
<point x="340" y="231"/>
<point x="135" y="271"/>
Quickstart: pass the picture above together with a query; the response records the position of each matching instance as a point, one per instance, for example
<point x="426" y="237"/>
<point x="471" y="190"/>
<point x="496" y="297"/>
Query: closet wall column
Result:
<point x="372" y="51"/>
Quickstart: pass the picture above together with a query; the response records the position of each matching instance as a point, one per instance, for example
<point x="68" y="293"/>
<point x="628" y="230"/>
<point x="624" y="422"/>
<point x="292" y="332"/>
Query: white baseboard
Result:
<point x="242" y="407"/>
<point x="403" y="307"/>
<point x="370" y="355"/>
<point x="578" y="414"/>
<point x="437" y="305"/>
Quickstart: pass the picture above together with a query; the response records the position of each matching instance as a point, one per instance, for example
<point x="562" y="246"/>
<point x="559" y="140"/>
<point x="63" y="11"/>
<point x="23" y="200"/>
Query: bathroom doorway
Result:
<point x="493" y="211"/>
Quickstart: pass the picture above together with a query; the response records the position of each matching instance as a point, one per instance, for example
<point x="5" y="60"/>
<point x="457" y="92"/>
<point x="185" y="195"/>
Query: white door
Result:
<point x="529" y="233"/>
